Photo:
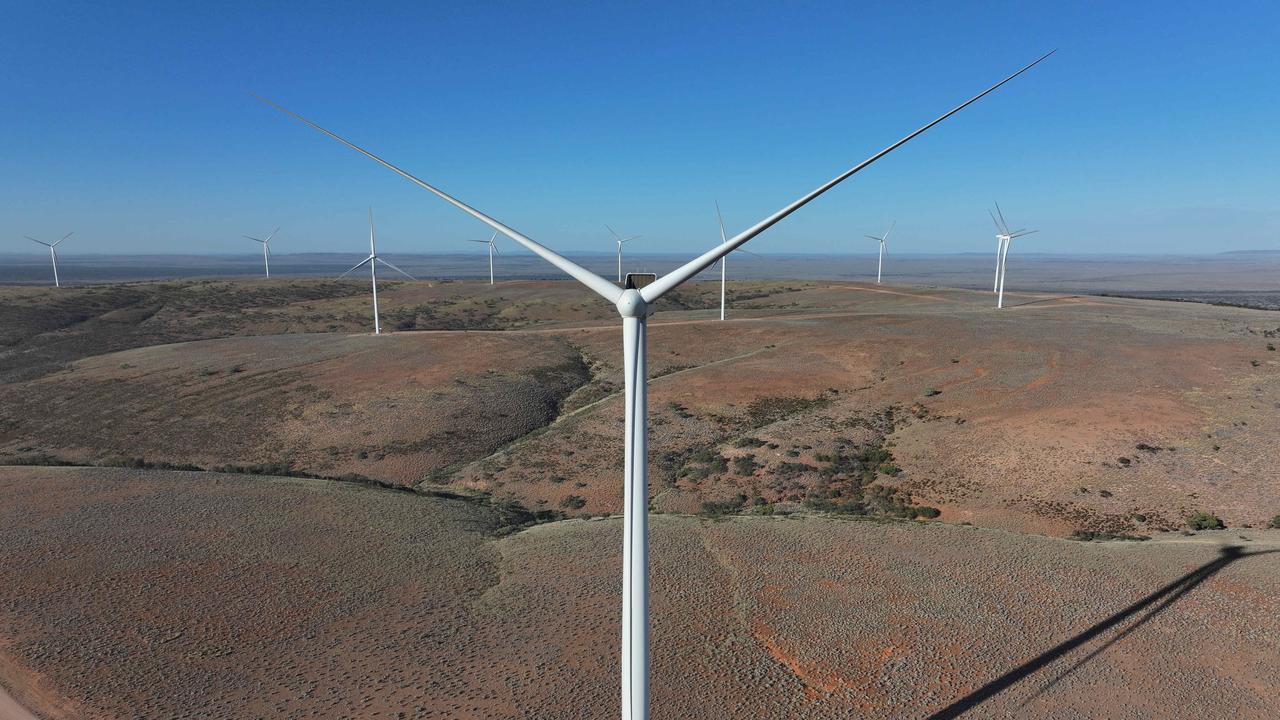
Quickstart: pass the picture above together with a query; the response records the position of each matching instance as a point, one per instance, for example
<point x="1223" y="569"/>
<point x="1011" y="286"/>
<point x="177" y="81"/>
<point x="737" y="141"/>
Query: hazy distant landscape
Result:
<point x="1247" y="279"/>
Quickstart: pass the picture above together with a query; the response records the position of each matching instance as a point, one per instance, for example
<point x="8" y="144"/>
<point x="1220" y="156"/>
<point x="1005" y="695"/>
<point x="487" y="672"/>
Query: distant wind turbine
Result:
<point x="1003" y="237"/>
<point x="724" y="258"/>
<point x="372" y="261"/>
<point x="266" y="250"/>
<point x="53" y="253"/>
<point x="619" y="239"/>
<point x="634" y="306"/>
<point x="882" y="239"/>
<point x="492" y="250"/>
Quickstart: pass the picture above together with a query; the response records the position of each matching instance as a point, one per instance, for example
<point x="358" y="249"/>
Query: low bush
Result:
<point x="720" y="508"/>
<point x="745" y="465"/>
<point x="1204" y="521"/>
<point x="1091" y="535"/>
<point x="573" y="502"/>
<point x="1275" y="523"/>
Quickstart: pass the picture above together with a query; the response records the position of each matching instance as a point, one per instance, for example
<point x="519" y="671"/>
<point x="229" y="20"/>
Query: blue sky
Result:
<point x="1151" y="130"/>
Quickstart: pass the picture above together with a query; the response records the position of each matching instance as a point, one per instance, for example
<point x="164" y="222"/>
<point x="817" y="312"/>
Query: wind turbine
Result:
<point x="1003" y="237"/>
<point x="266" y="249"/>
<point x="620" y="240"/>
<point x="492" y="250"/>
<point x="372" y="261"/>
<point x="882" y="239"/>
<point x="633" y="305"/>
<point x="725" y="257"/>
<point x="53" y="253"/>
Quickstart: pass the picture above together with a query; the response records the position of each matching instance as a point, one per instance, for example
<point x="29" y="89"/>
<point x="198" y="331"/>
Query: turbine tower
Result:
<point x="724" y="258"/>
<point x="266" y="250"/>
<point x="882" y="239"/>
<point x="492" y="250"/>
<point x="1003" y="237"/>
<point x="619" y="239"/>
<point x="634" y="306"/>
<point x="53" y="253"/>
<point x="372" y="261"/>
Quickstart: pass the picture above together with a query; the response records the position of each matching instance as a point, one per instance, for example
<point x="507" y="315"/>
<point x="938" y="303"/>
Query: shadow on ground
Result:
<point x="1153" y="604"/>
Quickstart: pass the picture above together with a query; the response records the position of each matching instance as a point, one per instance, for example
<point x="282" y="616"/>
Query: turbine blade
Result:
<point x="748" y="252"/>
<point x="1021" y="233"/>
<point x="633" y="237"/>
<point x="720" y="218"/>
<point x="892" y="225"/>
<point x="1003" y="224"/>
<point x="250" y="237"/>
<point x="35" y="240"/>
<point x="664" y="284"/>
<point x="393" y="267"/>
<point x="599" y="285"/>
<point x="356" y="267"/>
<point x="995" y="222"/>
<point x="273" y="234"/>
<point x="482" y="242"/>
<point x="615" y="235"/>
<point x="873" y="237"/>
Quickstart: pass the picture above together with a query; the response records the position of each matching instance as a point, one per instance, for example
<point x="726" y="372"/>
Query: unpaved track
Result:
<point x="11" y="710"/>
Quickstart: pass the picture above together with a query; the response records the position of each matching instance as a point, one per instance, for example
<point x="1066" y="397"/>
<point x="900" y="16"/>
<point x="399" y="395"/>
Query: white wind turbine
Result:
<point x="725" y="257"/>
<point x="619" y="239"/>
<point x="53" y="253"/>
<point x="266" y="249"/>
<point x="492" y="250"/>
<point x="633" y="306"/>
<point x="1003" y="237"/>
<point x="372" y="261"/>
<point x="882" y="239"/>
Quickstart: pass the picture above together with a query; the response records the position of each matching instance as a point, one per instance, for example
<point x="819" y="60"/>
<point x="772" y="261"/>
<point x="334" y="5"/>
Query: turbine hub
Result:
<point x="631" y="304"/>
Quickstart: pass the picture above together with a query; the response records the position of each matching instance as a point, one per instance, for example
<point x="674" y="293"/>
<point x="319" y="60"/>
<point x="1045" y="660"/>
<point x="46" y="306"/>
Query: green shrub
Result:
<point x="573" y="502"/>
<point x="1275" y="523"/>
<point x="930" y="392"/>
<point x="1204" y="521"/>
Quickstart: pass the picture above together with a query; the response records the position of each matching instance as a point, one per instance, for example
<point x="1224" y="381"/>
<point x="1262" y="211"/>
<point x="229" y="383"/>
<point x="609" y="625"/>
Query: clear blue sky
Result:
<point x="1153" y="128"/>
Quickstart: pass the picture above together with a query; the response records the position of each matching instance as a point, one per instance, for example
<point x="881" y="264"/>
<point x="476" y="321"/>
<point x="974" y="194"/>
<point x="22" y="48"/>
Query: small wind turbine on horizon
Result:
<point x="53" y="253"/>
<point x="492" y="249"/>
<point x="882" y="240"/>
<point x="1003" y="237"/>
<point x="619" y="239"/>
<point x="634" y="305"/>
<point x="724" y="258"/>
<point x="266" y="249"/>
<point x="372" y="261"/>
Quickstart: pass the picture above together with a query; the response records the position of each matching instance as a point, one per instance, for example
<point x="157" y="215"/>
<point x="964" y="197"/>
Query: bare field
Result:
<point x="1060" y="413"/>
<point x="156" y="594"/>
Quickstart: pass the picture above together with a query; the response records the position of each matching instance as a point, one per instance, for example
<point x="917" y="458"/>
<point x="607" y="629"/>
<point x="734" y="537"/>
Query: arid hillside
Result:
<point x="1057" y="414"/>
<point x="153" y="594"/>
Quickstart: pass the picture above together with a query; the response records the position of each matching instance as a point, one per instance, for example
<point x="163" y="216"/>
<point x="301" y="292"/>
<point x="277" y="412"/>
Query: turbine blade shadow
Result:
<point x="1165" y="597"/>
